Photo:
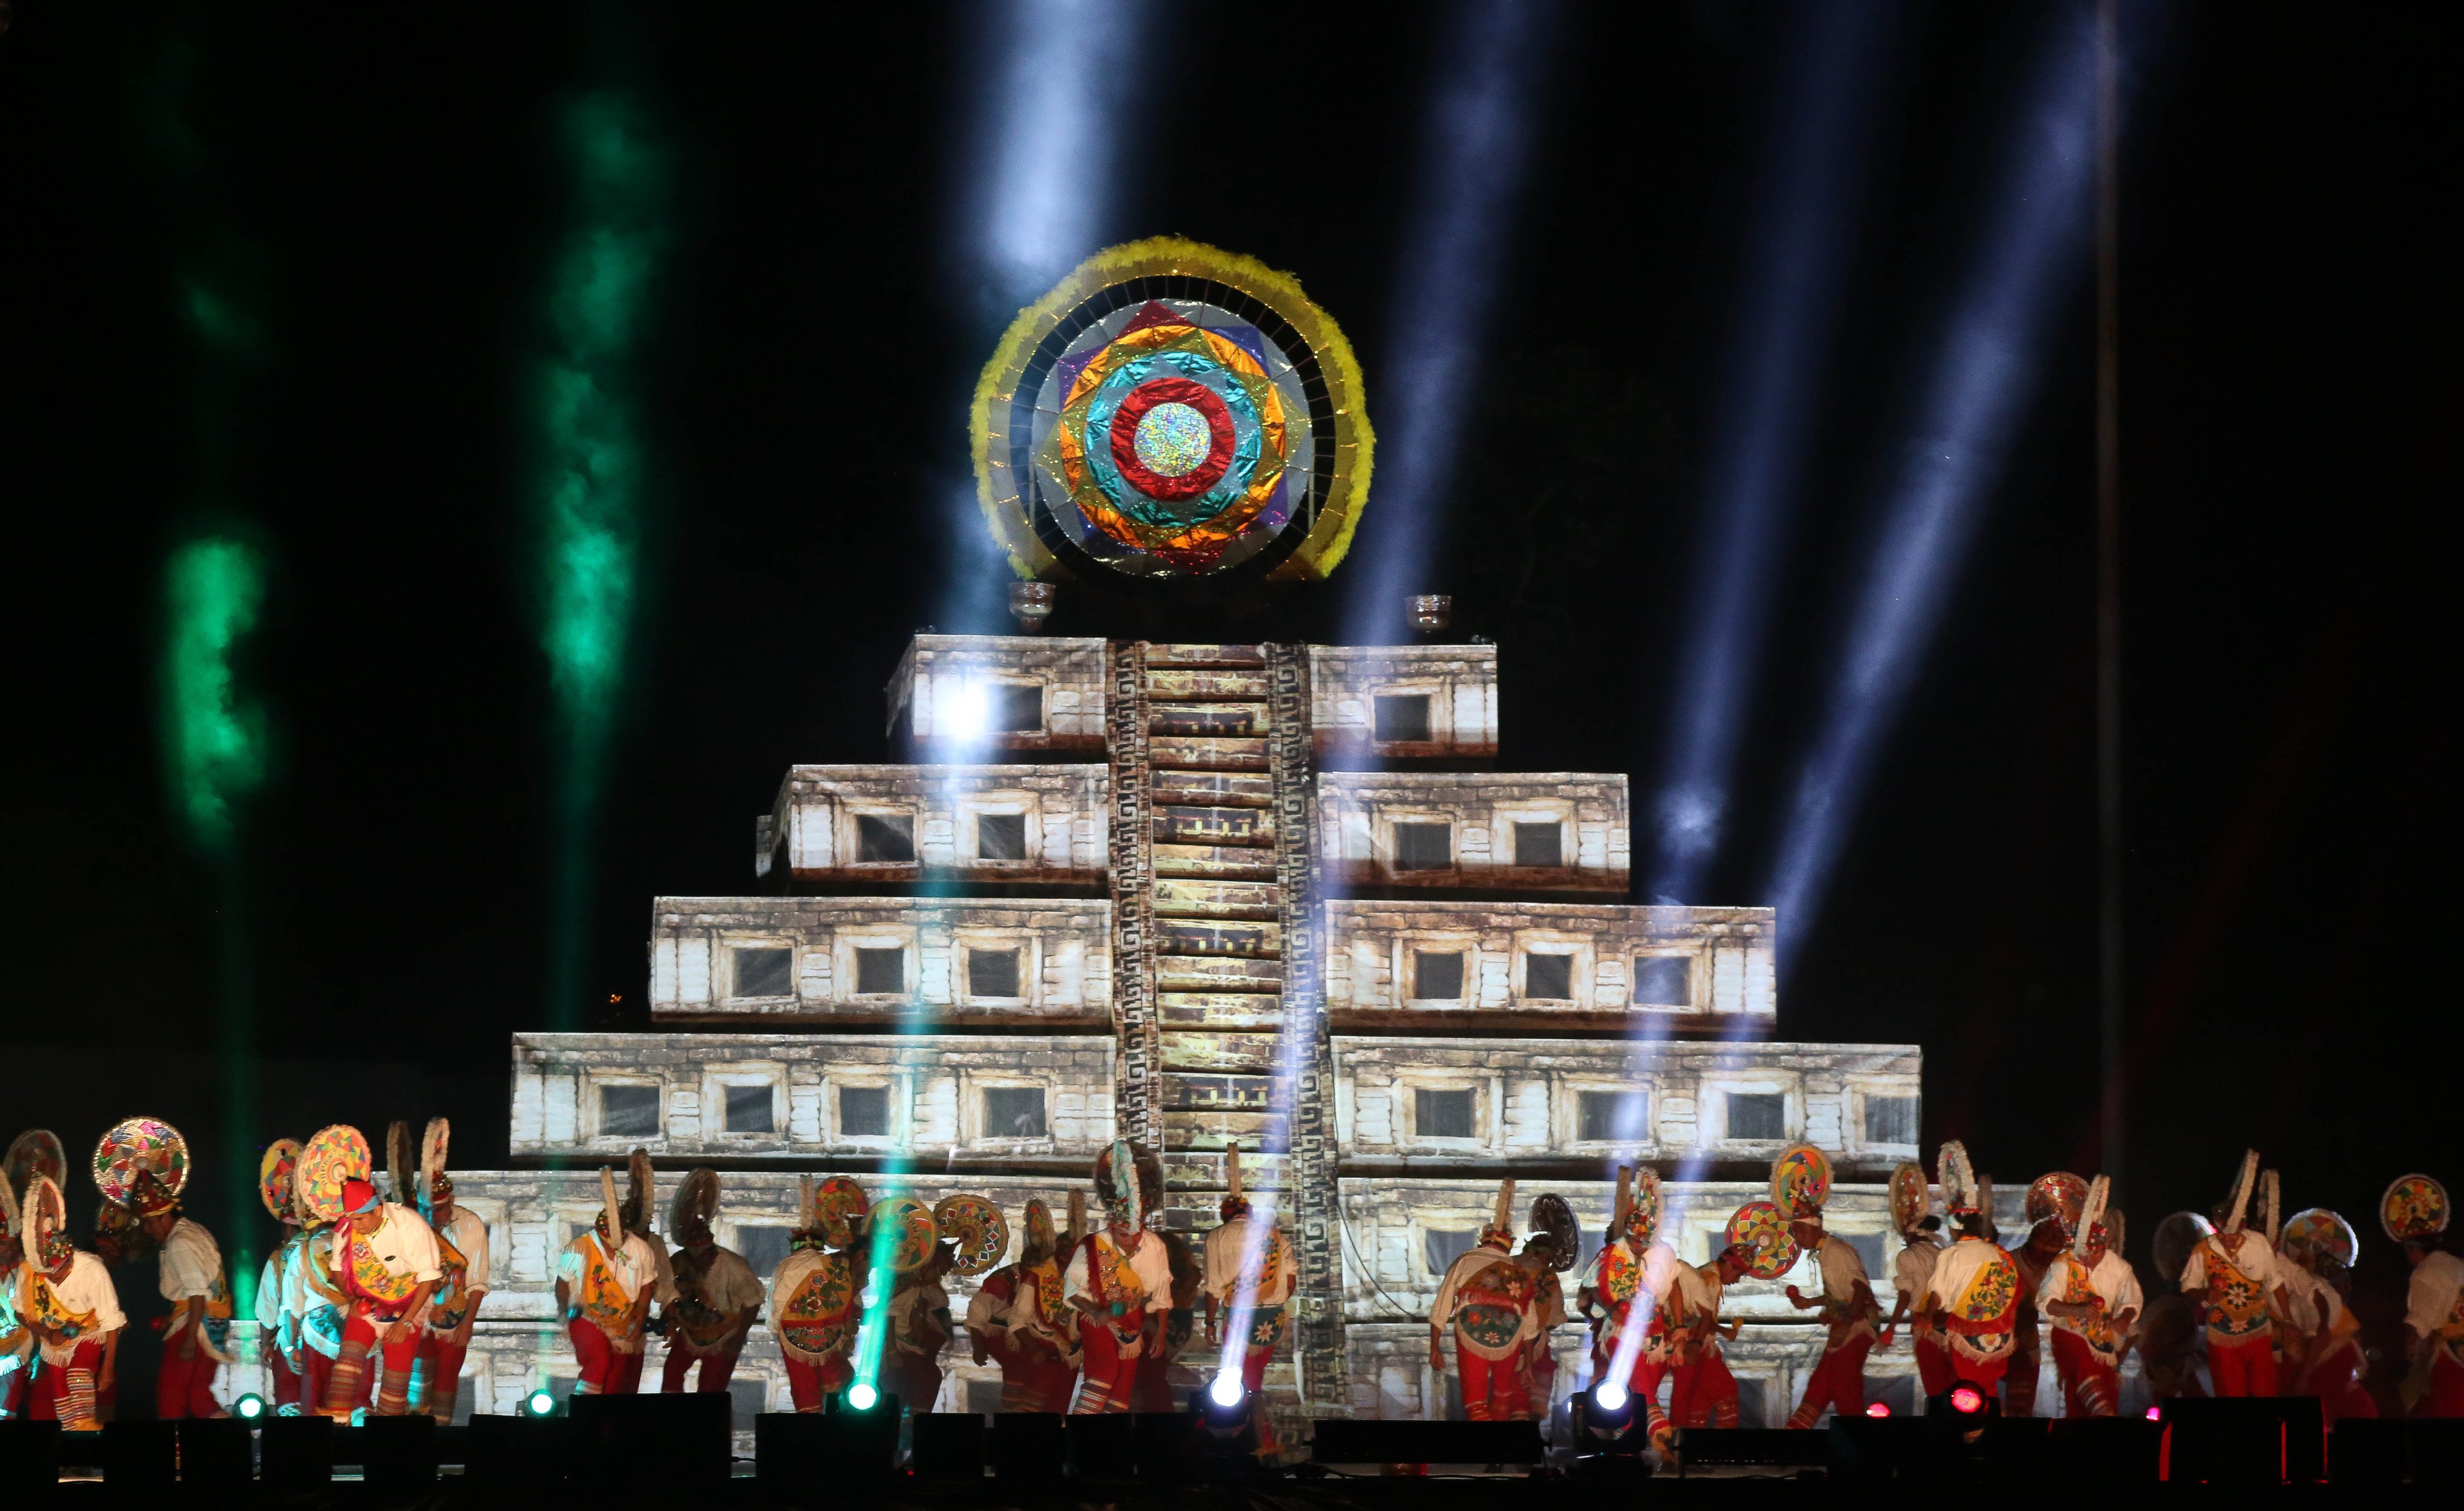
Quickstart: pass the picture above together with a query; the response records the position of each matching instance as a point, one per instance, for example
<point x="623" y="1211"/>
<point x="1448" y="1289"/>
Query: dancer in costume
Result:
<point x="1973" y="1294"/>
<point x="718" y="1295"/>
<point x="2318" y="1248"/>
<point x="141" y="1166"/>
<point x="1701" y="1392"/>
<point x="2414" y="1213"/>
<point x="2054" y="1203"/>
<point x="1538" y="1366"/>
<point x="1489" y="1303"/>
<point x="1800" y="1184"/>
<point x="814" y="1307"/>
<point x="312" y="1299"/>
<point x="1630" y="1282"/>
<point x="2233" y="1271"/>
<point x="1121" y="1281"/>
<point x="1912" y="1272"/>
<point x="65" y="1297"/>
<point x="386" y="1259"/>
<point x="1249" y="1265"/>
<point x="16" y="1339"/>
<point x="2092" y="1294"/>
<point x="904" y="1240"/>
<point x="1018" y="1319"/>
<point x="1153" y="1392"/>
<point x="277" y="1184"/>
<point x="605" y="1280"/>
<point x="462" y="1257"/>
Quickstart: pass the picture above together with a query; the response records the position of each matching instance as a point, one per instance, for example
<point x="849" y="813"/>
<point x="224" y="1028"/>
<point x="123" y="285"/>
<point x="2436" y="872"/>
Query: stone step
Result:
<point x="1179" y="686"/>
<point x="1179" y="1011"/>
<point x="1248" y="658"/>
<point x="1246" y="1054"/>
<point x="1214" y="826"/>
<point x="1206" y="753"/>
<point x="1211" y="789"/>
<point x="1229" y="899"/>
<point x="1212" y="719"/>
<point x="1177" y="936"/>
<point x="1176" y="973"/>
<point x="1185" y="1130"/>
<point x="1215" y="862"/>
<point x="1183" y="1091"/>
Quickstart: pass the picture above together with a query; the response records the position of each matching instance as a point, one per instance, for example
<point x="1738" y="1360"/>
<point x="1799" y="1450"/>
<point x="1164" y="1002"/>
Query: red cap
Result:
<point x="358" y="1196"/>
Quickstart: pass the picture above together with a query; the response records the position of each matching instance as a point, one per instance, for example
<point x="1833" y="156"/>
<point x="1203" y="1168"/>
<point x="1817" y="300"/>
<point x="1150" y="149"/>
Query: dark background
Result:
<point x="383" y="184"/>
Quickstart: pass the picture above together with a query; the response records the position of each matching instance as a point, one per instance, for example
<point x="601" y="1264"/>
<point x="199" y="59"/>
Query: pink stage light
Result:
<point x="1967" y="1400"/>
<point x="1878" y="1409"/>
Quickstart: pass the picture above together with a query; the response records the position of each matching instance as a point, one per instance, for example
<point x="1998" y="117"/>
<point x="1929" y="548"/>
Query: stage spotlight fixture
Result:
<point x="249" y="1408"/>
<point x="1609" y="1409"/>
<point x="1967" y="1400"/>
<point x="2155" y="1413"/>
<point x="539" y="1403"/>
<point x="862" y="1397"/>
<point x="1879" y="1409"/>
<point x="1227" y="1392"/>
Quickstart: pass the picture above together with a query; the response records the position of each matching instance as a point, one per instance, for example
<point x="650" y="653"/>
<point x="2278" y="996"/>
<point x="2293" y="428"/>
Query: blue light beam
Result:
<point x="1788" y="296"/>
<point x="1492" y="65"/>
<point x="2033" y="252"/>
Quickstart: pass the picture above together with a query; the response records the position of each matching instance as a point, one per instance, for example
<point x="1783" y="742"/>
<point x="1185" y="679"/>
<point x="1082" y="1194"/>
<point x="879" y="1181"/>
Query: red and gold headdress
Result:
<point x="277" y="1181"/>
<point x="2414" y="1208"/>
<point x="1957" y="1177"/>
<point x="1911" y="1199"/>
<point x="2089" y="1224"/>
<point x="435" y="1185"/>
<point x="48" y="1246"/>
<point x="2058" y="1199"/>
<point x="1800" y="1181"/>
<point x="141" y="1164"/>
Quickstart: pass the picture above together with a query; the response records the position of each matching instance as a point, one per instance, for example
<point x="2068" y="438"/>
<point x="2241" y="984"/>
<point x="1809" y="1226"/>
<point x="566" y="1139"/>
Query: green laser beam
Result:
<point x="215" y="739"/>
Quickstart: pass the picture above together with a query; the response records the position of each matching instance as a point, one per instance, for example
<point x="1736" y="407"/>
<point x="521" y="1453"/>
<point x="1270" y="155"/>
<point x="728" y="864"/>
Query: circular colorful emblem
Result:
<point x="334" y="1155"/>
<point x="37" y="1151"/>
<point x="903" y="1232"/>
<point x="837" y="1203"/>
<point x="1911" y="1201"/>
<point x="1764" y="1227"/>
<point x="2318" y="1233"/>
<point x="2413" y="1207"/>
<point x="135" y="1146"/>
<point x="278" y="1178"/>
<point x="1553" y="1215"/>
<point x="1173" y="411"/>
<point x="821" y="1314"/>
<point x="981" y="1232"/>
<point x="2059" y="1196"/>
<point x="1801" y="1180"/>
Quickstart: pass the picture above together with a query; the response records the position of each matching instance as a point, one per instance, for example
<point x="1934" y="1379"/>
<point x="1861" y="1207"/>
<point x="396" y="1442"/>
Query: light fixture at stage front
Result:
<point x="1878" y="1409"/>
<point x="1967" y="1400"/>
<point x="539" y="1403"/>
<point x="862" y="1397"/>
<point x="249" y="1408"/>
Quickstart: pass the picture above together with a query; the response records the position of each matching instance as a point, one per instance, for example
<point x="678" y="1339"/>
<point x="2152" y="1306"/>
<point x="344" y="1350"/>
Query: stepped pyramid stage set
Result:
<point x="1195" y="895"/>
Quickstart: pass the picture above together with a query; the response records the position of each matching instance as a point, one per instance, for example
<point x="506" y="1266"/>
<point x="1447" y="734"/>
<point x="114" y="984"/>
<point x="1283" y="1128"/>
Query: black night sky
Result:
<point x="381" y="181"/>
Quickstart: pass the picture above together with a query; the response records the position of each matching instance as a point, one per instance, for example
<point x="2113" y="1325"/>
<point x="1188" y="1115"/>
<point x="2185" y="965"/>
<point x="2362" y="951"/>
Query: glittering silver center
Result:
<point x="1173" y="440"/>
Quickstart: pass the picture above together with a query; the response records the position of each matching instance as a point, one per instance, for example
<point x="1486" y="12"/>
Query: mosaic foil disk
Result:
<point x="1764" y="1227"/>
<point x="278" y="1177"/>
<point x="981" y="1231"/>
<point x="837" y="1203"/>
<point x="2318" y="1233"/>
<point x="1173" y="411"/>
<point x="37" y="1151"/>
<point x="136" y="1145"/>
<point x="902" y="1231"/>
<point x="334" y="1155"/>
<point x="1801" y="1180"/>
<point x="2059" y="1196"/>
<point x="2411" y="1206"/>
<point x="1910" y="1200"/>
<point x="1553" y="1215"/>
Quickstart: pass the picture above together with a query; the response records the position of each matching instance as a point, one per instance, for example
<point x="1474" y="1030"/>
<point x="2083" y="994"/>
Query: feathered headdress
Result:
<point x="1036" y="1240"/>
<point x="1077" y="1232"/>
<point x="1957" y="1178"/>
<point x="12" y="1226"/>
<point x="2271" y="1204"/>
<point x="611" y="1216"/>
<point x="399" y="1166"/>
<point x="641" y="1189"/>
<point x="2243" y="1185"/>
<point x="807" y="1234"/>
<point x="1800" y="1181"/>
<point x="1235" y="1205"/>
<point x="1117" y="1185"/>
<point x="48" y="1246"/>
<point x="1623" y="1210"/>
<point x="2091" y="1216"/>
<point x="277" y="1181"/>
<point x="1501" y="1220"/>
<point x="696" y="1203"/>
<point x="1911" y="1201"/>
<point x="435" y="1185"/>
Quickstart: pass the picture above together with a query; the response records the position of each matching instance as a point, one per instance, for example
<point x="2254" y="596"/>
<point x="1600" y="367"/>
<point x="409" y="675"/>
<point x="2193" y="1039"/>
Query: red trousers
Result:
<point x="66" y="1393"/>
<point x="280" y="1378"/>
<point x="2247" y="1368"/>
<point x="186" y="1386"/>
<point x="1837" y="1382"/>
<point x="2091" y="1386"/>
<point x="2446" y="1397"/>
<point x="2334" y="1379"/>
<point x="1704" y="1393"/>
<point x="1033" y="1382"/>
<point x="12" y="1386"/>
<point x="605" y="1371"/>
<point x="1493" y="1390"/>
<point x="715" y="1371"/>
<point x="317" y="1373"/>
<point x="808" y="1384"/>
<point x="437" y="1380"/>
<point x="1110" y="1379"/>
<point x="1934" y="1369"/>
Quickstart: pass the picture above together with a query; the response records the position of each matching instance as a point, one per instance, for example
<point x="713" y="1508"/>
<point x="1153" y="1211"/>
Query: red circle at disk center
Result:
<point x="1125" y="438"/>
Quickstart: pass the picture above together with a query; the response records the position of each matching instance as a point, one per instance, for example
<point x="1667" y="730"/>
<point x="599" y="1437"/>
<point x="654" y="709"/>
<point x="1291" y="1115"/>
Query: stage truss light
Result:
<point x="862" y="1397"/>
<point x="249" y="1408"/>
<point x="1609" y="1408"/>
<point x="539" y="1403"/>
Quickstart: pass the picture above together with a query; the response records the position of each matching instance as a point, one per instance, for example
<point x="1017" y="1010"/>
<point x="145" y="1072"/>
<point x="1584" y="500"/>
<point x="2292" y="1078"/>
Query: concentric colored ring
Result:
<point x="1155" y="399"/>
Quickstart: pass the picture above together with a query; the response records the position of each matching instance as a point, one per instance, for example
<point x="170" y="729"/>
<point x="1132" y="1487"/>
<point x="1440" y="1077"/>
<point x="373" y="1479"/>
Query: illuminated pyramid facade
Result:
<point x="1114" y="888"/>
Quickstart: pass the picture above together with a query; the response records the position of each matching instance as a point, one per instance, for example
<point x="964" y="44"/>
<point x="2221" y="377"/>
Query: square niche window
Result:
<point x="1602" y="1117"/>
<point x="1423" y="847"/>
<point x="1890" y="1120"/>
<point x="1013" y="1112"/>
<point x="992" y="973"/>
<point x="1663" y="981"/>
<point x="1001" y="837"/>
<point x="1437" y="973"/>
<point x="748" y="1109"/>
<point x="1402" y="718"/>
<point x="880" y="972"/>
<point x="764" y="971"/>
<point x="1757" y="1115"/>
<point x="629" y="1112"/>
<point x="1550" y="977"/>
<point x="1018" y="708"/>
<point x="864" y="1112"/>
<point x="1539" y="844"/>
<point x="885" y="839"/>
<point x="1443" y="1246"/>
<point x="1442" y="1114"/>
<point x="764" y="1247"/>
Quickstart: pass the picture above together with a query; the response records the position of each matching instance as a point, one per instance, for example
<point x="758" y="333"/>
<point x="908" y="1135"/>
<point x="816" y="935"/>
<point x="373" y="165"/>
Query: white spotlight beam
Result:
<point x="1493" y="62"/>
<point x="1983" y="378"/>
<point x="1061" y="71"/>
